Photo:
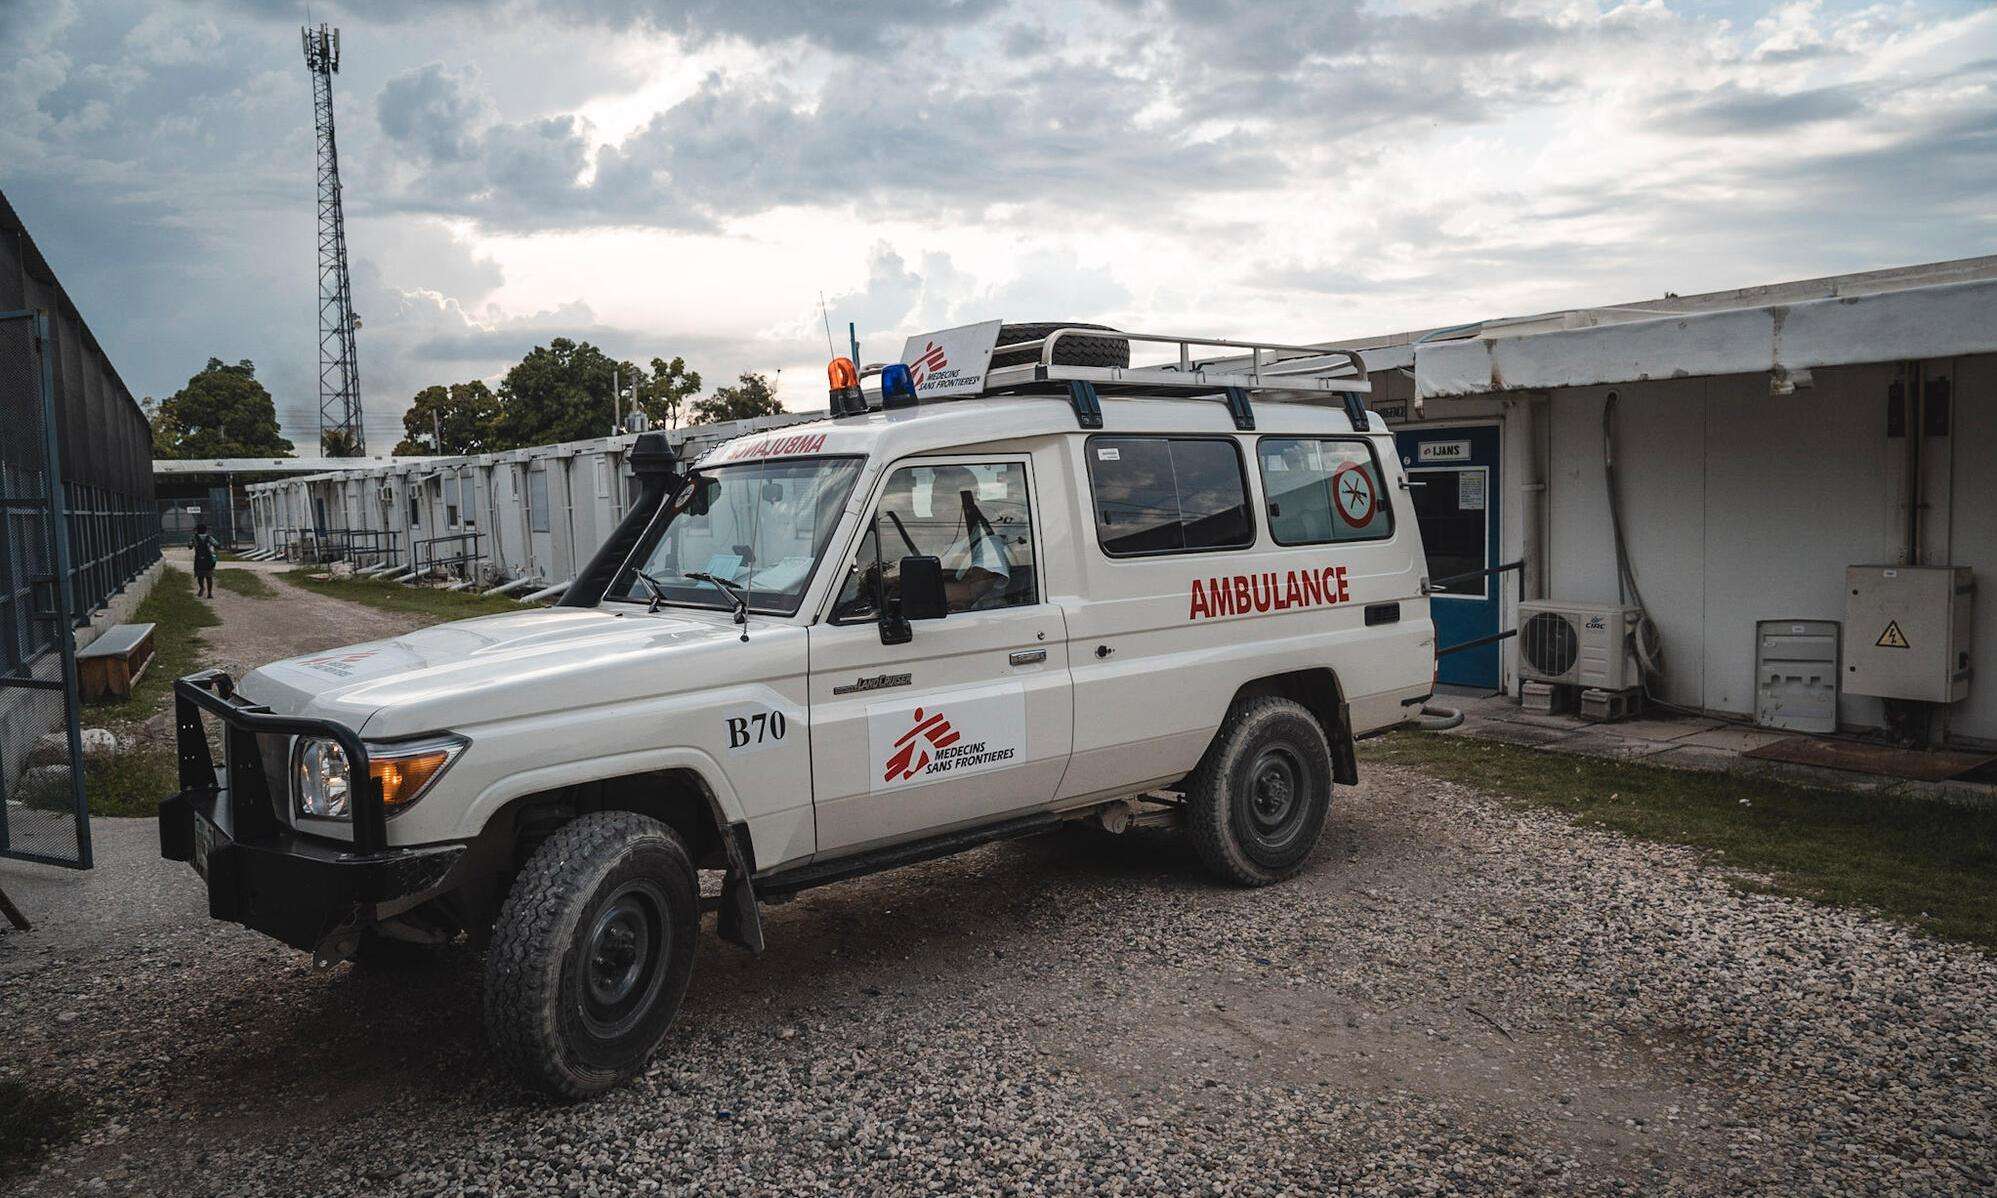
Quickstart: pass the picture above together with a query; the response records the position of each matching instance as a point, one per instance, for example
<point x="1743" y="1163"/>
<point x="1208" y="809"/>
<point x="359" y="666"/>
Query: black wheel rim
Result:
<point x="1276" y="798"/>
<point x="624" y="959"/>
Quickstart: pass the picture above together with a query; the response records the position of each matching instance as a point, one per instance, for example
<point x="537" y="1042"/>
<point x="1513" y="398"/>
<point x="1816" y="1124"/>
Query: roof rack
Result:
<point x="1269" y="367"/>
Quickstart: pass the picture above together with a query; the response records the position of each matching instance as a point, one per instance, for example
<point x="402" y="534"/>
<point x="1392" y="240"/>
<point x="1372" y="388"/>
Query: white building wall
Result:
<point x="585" y="499"/>
<point x="1740" y="506"/>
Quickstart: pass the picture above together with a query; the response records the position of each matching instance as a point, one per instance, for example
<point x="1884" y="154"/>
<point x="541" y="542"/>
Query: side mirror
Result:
<point x="922" y="596"/>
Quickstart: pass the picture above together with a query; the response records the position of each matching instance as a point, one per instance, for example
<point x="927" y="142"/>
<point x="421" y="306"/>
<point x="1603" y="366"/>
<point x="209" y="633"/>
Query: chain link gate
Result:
<point x="43" y="816"/>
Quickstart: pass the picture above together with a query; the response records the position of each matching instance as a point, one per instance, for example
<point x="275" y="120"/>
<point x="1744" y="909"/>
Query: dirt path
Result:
<point x="294" y="621"/>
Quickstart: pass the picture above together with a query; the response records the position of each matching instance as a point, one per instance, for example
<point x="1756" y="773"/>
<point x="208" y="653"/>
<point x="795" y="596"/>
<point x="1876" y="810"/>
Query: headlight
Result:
<point x="322" y="778"/>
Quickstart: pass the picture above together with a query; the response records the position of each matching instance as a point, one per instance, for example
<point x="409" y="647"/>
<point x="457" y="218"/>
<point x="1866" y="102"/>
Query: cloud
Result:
<point x="1731" y="110"/>
<point x="1289" y="168"/>
<point x="850" y="25"/>
<point x="435" y="113"/>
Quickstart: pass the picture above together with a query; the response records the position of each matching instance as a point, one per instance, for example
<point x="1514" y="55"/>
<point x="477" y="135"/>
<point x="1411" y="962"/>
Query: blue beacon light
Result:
<point x="897" y="386"/>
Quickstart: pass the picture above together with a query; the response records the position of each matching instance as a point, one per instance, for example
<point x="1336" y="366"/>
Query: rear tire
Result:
<point x="1256" y="805"/>
<point x="1068" y="351"/>
<point x="592" y="953"/>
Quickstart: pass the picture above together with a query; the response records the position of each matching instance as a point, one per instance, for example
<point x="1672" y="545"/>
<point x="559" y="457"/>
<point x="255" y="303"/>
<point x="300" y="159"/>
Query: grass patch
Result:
<point x="247" y="583"/>
<point x="1923" y="862"/>
<point x="31" y="1119"/>
<point x="177" y="618"/>
<point x="131" y="781"/>
<point x="391" y="596"/>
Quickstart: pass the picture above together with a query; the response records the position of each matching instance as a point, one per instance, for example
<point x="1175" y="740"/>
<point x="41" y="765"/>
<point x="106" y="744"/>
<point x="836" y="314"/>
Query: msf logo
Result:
<point x="931" y="360"/>
<point x="911" y="755"/>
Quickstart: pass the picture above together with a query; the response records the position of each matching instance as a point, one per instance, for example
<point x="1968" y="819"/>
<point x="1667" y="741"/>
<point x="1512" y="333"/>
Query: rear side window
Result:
<point x="1320" y="491"/>
<point x="1168" y="495"/>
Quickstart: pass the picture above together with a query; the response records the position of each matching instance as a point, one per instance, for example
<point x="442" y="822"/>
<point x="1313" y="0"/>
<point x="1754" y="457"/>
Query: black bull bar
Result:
<point x="260" y="872"/>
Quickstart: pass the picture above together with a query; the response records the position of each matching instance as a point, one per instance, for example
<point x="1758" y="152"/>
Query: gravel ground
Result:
<point x="1456" y="996"/>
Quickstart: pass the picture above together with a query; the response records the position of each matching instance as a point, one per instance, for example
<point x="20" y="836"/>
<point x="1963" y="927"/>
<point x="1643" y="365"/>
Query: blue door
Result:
<point x="1454" y="476"/>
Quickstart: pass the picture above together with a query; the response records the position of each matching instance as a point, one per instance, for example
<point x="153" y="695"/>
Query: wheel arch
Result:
<point x="679" y="794"/>
<point x="1319" y="691"/>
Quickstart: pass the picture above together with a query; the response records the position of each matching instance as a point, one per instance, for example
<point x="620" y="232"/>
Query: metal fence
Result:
<point x="101" y="435"/>
<point x="79" y="525"/>
<point x="42" y="812"/>
<point x="179" y="517"/>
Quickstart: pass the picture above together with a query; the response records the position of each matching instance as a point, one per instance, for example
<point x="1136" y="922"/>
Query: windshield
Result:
<point x="760" y="525"/>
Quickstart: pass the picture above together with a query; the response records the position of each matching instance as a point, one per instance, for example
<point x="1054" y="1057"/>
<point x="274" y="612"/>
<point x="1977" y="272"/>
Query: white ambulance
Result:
<point x="1011" y="583"/>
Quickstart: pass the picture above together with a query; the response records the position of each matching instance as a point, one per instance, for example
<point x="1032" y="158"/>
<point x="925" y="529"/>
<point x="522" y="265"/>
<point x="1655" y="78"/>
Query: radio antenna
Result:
<point x="827" y="318"/>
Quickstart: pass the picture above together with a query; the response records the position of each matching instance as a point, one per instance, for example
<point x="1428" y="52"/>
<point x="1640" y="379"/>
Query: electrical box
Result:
<point x="1796" y="675"/>
<point x="1907" y="632"/>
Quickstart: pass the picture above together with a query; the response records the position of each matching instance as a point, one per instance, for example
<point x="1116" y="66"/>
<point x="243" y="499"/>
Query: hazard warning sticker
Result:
<point x="1892" y="638"/>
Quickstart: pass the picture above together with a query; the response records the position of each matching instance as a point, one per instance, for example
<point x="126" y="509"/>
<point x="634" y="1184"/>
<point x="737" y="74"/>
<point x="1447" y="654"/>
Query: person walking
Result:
<point x="204" y="562"/>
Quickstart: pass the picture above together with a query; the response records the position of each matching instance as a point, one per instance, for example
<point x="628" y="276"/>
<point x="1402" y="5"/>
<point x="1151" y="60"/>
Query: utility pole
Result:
<point x="339" y="366"/>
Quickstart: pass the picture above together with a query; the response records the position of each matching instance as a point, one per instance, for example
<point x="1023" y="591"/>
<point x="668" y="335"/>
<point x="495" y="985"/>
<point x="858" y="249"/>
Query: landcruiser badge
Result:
<point x="878" y="682"/>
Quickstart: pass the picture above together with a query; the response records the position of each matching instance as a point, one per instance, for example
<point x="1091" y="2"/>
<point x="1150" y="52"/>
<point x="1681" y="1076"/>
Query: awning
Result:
<point x="1938" y="321"/>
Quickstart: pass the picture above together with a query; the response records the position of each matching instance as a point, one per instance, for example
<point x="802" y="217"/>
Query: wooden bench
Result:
<point x="110" y="664"/>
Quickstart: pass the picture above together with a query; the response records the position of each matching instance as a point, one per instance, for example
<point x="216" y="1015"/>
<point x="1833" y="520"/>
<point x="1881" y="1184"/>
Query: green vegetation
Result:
<point x="177" y="618"/>
<point x="129" y="782"/>
<point x="133" y="780"/>
<point x="30" y="1120"/>
<point x="392" y="596"/>
<point x="562" y="391"/>
<point x="222" y="412"/>
<point x="1921" y="861"/>
<point x="247" y="583"/>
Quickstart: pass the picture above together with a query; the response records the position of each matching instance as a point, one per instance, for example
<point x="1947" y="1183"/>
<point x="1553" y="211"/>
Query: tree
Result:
<point x="166" y="430"/>
<point x="222" y="412"/>
<point x="558" y="392"/>
<point x="661" y="393"/>
<point x="750" y="396"/>
<point x="464" y="415"/>
<point x="338" y="443"/>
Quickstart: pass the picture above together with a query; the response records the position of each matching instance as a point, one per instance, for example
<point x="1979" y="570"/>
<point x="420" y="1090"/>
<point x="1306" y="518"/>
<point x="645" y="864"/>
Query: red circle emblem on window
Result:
<point x="1352" y="494"/>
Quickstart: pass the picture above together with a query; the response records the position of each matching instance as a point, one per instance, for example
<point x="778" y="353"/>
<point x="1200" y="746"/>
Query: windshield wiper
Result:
<point x="653" y="585"/>
<point x="733" y="591"/>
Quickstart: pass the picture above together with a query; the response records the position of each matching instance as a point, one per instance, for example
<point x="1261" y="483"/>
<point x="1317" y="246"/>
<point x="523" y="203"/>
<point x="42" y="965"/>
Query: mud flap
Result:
<point x="740" y="917"/>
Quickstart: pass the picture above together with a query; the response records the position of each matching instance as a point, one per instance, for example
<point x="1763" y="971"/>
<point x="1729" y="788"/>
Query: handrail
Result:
<point x="423" y="555"/>
<point x="1436" y="584"/>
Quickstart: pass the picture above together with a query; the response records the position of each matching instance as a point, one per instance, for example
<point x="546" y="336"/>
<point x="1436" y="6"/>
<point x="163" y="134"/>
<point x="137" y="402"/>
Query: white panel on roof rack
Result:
<point x="951" y="362"/>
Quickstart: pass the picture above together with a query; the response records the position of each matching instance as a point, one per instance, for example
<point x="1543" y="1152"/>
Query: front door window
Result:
<point x="973" y="517"/>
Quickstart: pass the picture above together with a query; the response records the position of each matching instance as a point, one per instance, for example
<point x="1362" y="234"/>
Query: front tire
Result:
<point x="592" y="953"/>
<point x="1256" y="805"/>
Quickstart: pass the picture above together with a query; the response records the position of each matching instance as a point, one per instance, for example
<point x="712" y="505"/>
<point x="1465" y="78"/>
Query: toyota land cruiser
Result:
<point x="1009" y="584"/>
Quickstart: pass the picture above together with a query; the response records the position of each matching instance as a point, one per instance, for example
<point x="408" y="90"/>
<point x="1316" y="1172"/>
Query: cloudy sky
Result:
<point x="689" y="177"/>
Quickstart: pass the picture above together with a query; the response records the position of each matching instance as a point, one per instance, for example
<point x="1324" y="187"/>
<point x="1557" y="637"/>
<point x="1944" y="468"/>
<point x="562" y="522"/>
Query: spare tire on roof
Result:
<point x="1068" y="351"/>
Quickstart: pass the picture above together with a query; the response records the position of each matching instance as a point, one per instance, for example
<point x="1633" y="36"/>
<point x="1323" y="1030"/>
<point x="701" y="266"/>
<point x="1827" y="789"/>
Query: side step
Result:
<point x="805" y="877"/>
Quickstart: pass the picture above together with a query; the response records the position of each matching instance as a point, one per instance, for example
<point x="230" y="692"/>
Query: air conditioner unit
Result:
<point x="1578" y="644"/>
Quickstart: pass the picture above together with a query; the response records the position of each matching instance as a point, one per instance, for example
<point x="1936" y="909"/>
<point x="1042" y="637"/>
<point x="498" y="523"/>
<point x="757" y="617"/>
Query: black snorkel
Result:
<point x="657" y="469"/>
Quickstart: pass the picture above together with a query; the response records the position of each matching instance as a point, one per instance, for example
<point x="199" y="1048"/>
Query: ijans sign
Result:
<point x="1272" y="590"/>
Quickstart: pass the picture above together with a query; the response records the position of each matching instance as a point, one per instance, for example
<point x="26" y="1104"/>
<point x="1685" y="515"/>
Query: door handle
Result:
<point x="1027" y="657"/>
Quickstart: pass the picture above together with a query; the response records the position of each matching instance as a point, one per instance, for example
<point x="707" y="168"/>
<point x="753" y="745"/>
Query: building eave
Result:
<point x="1934" y="321"/>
